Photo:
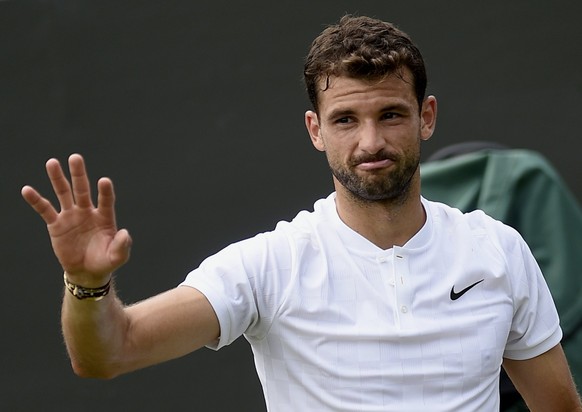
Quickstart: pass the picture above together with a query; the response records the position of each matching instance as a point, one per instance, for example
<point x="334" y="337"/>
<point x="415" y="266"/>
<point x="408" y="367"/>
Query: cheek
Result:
<point x="340" y="145"/>
<point x="335" y="158"/>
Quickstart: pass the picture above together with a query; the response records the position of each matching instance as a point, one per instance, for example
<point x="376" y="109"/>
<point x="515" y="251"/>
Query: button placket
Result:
<point x="403" y="290"/>
<point x="386" y="268"/>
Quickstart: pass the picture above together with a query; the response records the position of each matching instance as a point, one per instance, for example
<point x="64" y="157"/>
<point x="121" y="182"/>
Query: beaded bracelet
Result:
<point x="81" y="292"/>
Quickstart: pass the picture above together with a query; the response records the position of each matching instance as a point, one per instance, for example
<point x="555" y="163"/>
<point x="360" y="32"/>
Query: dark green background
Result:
<point x="195" y="109"/>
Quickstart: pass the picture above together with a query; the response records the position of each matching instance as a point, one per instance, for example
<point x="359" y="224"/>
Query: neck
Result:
<point x="386" y="223"/>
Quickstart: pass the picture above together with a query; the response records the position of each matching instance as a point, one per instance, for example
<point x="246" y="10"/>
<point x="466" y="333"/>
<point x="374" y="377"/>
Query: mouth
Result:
<point x="377" y="161"/>
<point x="374" y="164"/>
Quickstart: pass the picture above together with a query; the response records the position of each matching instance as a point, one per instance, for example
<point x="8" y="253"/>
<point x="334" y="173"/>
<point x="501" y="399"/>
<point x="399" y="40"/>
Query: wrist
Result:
<point x="89" y="293"/>
<point x="87" y="279"/>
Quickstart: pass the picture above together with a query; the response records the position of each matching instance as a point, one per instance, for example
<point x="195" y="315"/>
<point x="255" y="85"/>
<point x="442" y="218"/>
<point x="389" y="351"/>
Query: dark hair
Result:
<point x="362" y="47"/>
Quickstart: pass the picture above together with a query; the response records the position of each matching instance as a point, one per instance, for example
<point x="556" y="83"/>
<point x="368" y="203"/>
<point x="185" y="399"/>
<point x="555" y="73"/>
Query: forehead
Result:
<point x="348" y="91"/>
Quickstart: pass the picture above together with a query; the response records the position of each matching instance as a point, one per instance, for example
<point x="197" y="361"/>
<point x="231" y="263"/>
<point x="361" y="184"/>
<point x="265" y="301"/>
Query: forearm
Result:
<point x="95" y="334"/>
<point x="105" y="338"/>
<point x="545" y="382"/>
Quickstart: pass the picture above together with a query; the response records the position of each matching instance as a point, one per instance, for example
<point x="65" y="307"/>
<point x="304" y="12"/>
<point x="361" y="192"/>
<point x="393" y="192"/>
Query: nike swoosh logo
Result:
<point x="457" y="295"/>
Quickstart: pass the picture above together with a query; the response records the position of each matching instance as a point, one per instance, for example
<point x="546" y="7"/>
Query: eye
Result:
<point x="343" y="120"/>
<point x="389" y="115"/>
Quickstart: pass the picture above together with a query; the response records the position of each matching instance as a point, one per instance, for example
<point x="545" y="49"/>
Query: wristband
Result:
<point x="81" y="292"/>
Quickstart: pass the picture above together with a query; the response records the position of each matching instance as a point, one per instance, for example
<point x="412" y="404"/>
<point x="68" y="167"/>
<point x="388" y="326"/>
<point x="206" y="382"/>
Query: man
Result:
<point x="378" y="300"/>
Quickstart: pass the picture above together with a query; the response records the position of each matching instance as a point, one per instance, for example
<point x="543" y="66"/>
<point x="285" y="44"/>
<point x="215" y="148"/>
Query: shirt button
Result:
<point x="392" y="282"/>
<point x="382" y="259"/>
<point x="403" y="309"/>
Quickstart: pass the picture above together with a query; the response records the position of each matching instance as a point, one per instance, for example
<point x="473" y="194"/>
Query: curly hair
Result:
<point x="364" y="48"/>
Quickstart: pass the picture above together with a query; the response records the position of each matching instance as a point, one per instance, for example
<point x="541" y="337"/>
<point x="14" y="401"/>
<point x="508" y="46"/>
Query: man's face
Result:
<point x="371" y="134"/>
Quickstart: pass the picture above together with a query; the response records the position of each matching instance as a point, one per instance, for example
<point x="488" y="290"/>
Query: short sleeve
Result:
<point x="222" y="279"/>
<point x="535" y="327"/>
<point x="244" y="283"/>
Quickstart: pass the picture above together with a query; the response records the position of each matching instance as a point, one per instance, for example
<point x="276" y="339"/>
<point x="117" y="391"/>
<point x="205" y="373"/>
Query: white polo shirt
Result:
<point x="338" y="324"/>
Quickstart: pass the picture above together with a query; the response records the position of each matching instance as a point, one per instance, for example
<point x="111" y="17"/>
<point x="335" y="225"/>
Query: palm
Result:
<point x="85" y="238"/>
<point x="81" y="241"/>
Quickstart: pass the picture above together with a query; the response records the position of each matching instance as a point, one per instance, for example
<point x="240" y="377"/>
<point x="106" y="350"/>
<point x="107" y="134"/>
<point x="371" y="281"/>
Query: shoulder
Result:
<point x="277" y="247"/>
<point x="475" y="224"/>
<point x="451" y="215"/>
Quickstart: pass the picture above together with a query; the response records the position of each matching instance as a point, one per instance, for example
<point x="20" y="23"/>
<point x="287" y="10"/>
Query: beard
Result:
<point x="379" y="185"/>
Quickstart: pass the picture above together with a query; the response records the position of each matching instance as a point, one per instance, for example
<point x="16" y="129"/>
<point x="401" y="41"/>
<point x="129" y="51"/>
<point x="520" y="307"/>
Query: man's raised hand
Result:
<point x="85" y="238"/>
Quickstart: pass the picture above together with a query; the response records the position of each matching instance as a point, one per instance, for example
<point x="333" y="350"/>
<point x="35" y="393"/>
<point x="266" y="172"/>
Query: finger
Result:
<point x="60" y="184"/>
<point x="80" y="181"/>
<point x="106" y="199"/>
<point x="40" y="205"/>
<point x="120" y="248"/>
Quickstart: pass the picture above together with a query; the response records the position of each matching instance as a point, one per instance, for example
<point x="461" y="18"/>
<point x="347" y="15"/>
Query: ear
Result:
<point x="428" y="115"/>
<point x="314" y="129"/>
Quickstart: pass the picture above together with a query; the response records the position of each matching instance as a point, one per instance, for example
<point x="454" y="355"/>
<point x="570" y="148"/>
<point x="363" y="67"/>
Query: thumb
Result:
<point x="120" y="248"/>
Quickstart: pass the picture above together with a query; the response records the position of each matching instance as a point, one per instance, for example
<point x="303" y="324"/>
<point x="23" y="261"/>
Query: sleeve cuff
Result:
<point x="531" y="352"/>
<point x="219" y="305"/>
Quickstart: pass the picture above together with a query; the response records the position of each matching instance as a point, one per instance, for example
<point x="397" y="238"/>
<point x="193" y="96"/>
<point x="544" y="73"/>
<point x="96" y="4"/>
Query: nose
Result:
<point x="371" y="140"/>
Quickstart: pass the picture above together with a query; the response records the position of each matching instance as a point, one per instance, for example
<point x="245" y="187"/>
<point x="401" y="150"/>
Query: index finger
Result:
<point x="106" y="199"/>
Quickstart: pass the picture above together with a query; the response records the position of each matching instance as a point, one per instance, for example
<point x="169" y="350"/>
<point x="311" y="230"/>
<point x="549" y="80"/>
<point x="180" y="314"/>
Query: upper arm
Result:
<point x="168" y="326"/>
<point x="545" y="382"/>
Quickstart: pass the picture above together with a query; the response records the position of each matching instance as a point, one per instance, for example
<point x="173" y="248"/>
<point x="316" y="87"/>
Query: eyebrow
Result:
<point x="397" y="107"/>
<point x="339" y="113"/>
<point x="391" y="107"/>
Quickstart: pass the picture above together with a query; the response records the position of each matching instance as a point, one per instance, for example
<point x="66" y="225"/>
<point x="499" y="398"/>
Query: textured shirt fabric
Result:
<point x="337" y="324"/>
